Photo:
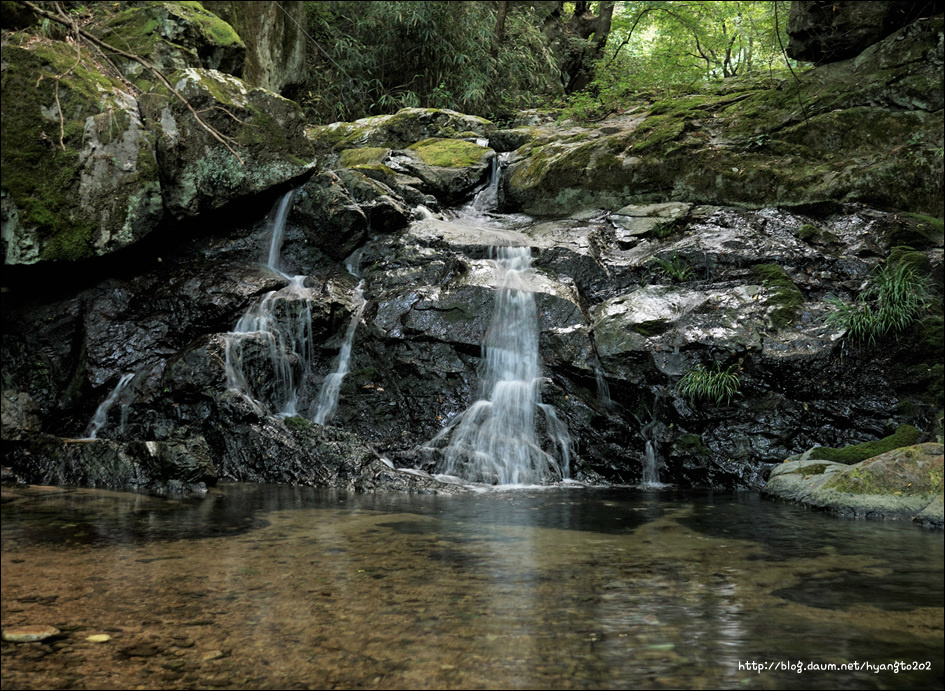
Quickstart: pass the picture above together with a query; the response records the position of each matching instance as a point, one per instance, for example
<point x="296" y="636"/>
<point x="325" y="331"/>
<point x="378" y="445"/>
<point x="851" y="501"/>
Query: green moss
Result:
<point x="657" y="130"/>
<point x="918" y="481"/>
<point x="369" y="155"/>
<point x="449" y="153"/>
<point x="221" y="33"/>
<point x="691" y="444"/>
<point x="808" y="232"/>
<point x="41" y="164"/>
<point x="296" y="423"/>
<point x="783" y="293"/>
<point x="905" y="435"/>
<point x="917" y="231"/>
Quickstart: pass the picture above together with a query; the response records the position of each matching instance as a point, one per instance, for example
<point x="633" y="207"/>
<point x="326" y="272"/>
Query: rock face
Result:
<point x="198" y="173"/>
<point x="275" y="42"/>
<point x="80" y="175"/>
<point x="628" y="302"/>
<point x="173" y="36"/>
<point x="823" y="32"/>
<point x="682" y="275"/>
<point x="902" y="484"/>
<point x="868" y="131"/>
<point x="94" y="163"/>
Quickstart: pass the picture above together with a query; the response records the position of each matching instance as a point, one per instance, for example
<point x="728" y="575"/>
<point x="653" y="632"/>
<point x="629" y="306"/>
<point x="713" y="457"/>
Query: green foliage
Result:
<point x="712" y="383"/>
<point x="663" y="49"/>
<point x="375" y="58"/>
<point x="675" y="268"/>
<point x="895" y="297"/>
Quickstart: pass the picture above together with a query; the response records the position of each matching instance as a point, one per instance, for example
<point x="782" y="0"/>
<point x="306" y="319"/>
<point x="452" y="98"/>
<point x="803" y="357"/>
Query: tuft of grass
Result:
<point x="893" y="300"/>
<point x="675" y="269"/>
<point x="710" y="383"/>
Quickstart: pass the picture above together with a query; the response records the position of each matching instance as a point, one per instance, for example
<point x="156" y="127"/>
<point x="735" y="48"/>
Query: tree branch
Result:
<point x="216" y="134"/>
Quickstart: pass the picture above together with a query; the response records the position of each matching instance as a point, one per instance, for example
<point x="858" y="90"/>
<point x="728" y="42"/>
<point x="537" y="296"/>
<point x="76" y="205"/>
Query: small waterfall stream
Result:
<point x="331" y="387"/>
<point x="100" y="418"/>
<point x="280" y="327"/>
<point x="495" y="440"/>
<point x="278" y="330"/>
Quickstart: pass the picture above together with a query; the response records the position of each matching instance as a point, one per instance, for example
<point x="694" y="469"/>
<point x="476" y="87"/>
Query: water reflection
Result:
<point x="278" y="587"/>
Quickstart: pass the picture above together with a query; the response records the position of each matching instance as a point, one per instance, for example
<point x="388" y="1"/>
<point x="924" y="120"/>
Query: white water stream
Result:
<point x="100" y="418"/>
<point x="496" y="439"/>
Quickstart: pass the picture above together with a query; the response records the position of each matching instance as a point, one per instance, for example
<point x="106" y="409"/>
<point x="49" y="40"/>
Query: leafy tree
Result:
<point x="676" y="46"/>
<point x="484" y="58"/>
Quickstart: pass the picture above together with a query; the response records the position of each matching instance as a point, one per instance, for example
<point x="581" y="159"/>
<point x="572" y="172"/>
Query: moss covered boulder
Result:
<point x="403" y="128"/>
<point x="867" y="130"/>
<point x="173" y="36"/>
<point x="80" y="175"/>
<point x="198" y="172"/>
<point x="905" y="483"/>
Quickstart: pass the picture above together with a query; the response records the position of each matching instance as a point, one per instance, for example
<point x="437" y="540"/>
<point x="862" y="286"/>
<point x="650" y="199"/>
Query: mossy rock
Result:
<point x="783" y="293"/>
<point x="905" y="435"/>
<point x="80" y="176"/>
<point x="904" y="483"/>
<point x="910" y="471"/>
<point x="199" y="174"/>
<point x="864" y="135"/>
<point x="917" y="231"/>
<point x="403" y="128"/>
<point x="450" y="153"/>
<point x="173" y="36"/>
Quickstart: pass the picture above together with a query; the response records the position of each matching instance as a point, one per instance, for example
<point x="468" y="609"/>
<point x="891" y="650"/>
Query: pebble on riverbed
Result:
<point x="29" y="633"/>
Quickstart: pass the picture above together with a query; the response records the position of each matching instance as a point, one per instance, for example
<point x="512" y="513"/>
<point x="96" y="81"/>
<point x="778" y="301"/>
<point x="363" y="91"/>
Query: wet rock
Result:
<point x="331" y="217"/>
<point x="157" y="467"/>
<point x="199" y="173"/>
<point x="19" y="414"/>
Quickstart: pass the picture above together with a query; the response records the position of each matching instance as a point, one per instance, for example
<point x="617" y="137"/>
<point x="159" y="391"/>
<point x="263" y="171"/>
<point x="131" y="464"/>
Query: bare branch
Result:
<point x="216" y="134"/>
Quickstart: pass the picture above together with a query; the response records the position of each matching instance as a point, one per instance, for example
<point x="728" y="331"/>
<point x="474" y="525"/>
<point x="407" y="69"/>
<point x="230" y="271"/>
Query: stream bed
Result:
<point x="264" y="586"/>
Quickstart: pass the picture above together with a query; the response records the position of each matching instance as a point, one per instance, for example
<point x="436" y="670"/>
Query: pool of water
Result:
<point x="284" y="587"/>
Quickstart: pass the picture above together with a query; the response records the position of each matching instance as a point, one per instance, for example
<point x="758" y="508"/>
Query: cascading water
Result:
<point x="651" y="473"/>
<point x="331" y="387"/>
<point x="495" y="440"/>
<point x="280" y="326"/>
<point x="100" y="419"/>
<point x="277" y="330"/>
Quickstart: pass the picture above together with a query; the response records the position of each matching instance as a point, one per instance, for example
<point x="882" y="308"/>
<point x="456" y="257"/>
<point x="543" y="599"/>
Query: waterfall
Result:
<point x="651" y="475"/>
<point x="276" y="331"/>
<point x="495" y="440"/>
<point x="100" y="418"/>
<point x="331" y="387"/>
<point x="277" y="219"/>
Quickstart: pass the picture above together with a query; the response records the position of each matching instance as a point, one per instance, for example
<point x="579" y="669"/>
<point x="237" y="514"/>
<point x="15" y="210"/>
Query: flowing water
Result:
<point x="100" y="418"/>
<point x="287" y="587"/>
<point x="331" y="387"/>
<point x="496" y="440"/>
